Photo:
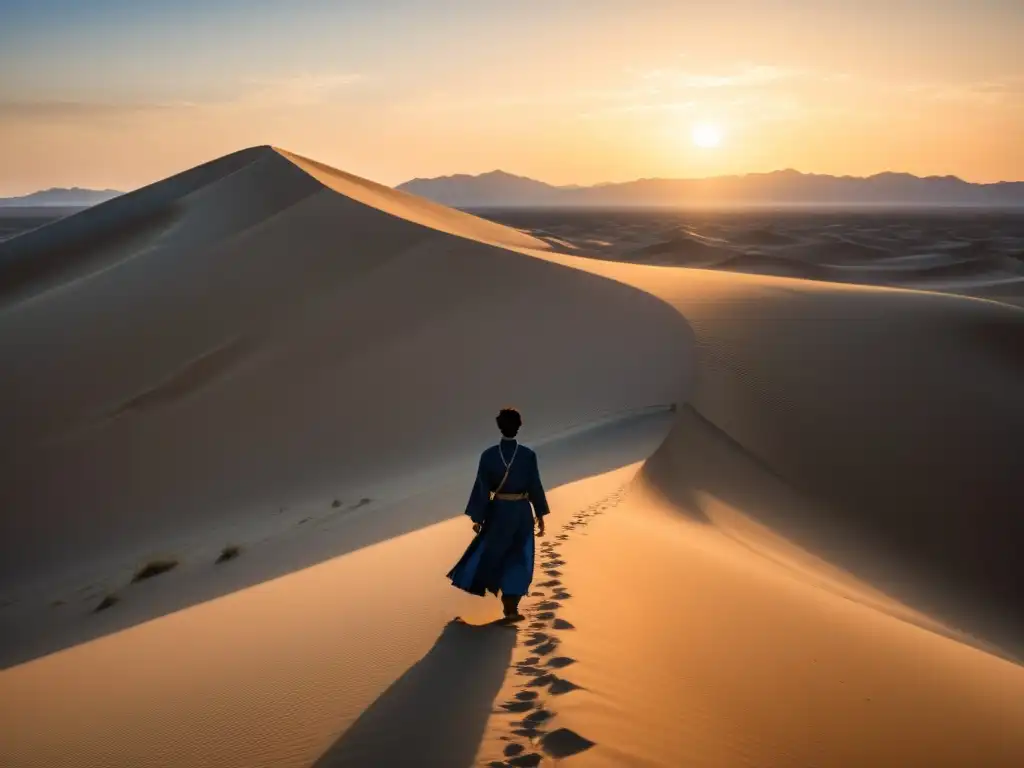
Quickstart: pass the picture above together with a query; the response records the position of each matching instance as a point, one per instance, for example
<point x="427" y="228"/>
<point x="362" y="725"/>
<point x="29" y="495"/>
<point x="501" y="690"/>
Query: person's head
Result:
<point x="509" y="421"/>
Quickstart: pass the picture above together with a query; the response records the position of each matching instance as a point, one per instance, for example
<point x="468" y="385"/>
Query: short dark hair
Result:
<point x="509" y="421"/>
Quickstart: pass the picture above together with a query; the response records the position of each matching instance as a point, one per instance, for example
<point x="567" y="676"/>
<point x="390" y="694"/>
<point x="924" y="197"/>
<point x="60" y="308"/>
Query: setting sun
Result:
<point x="706" y="135"/>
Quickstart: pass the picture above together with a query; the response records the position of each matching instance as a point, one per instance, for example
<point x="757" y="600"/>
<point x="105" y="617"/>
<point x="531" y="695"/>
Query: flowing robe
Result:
<point x="500" y="557"/>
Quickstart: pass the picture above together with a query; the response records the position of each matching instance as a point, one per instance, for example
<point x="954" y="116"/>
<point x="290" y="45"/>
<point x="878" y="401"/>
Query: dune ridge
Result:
<point x="837" y="482"/>
<point x="822" y="386"/>
<point x="330" y="296"/>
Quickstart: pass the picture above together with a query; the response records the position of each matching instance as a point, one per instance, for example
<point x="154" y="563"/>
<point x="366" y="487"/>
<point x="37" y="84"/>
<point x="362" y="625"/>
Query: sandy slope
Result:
<point x="687" y="649"/>
<point x="271" y="344"/>
<point x="279" y="673"/>
<point x="816" y="567"/>
<point x="894" y="414"/>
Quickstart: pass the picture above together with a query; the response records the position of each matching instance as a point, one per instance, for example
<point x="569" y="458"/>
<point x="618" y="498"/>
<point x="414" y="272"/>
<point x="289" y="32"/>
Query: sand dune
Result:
<point x="681" y="249"/>
<point x="851" y="396"/>
<point x="272" y="348"/>
<point x="810" y="559"/>
<point x="972" y="253"/>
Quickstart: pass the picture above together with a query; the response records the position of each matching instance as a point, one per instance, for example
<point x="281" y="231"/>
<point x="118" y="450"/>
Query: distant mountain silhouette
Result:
<point x="60" y="197"/>
<point x="497" y="189"/>
<point x="494" y="188"/>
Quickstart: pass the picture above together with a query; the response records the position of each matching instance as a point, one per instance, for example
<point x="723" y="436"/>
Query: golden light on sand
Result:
<point x="276" y="660"/>
<point x="706" y="135"/>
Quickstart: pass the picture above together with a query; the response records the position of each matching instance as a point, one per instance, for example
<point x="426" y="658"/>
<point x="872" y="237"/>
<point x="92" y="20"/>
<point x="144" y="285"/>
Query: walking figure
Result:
<point x="505" y="497"/>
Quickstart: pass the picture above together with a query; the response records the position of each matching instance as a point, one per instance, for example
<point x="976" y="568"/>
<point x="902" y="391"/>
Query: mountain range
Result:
<point x="501" y="189"/>
<point x="75" y="197"/>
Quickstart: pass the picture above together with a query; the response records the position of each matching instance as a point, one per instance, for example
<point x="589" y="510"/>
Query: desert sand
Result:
<point x="786" y="510"/>
<point x="970" y="251"/>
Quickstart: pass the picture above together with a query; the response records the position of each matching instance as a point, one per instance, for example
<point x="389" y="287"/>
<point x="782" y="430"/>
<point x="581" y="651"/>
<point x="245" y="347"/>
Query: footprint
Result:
<point x="538" y="625"/>
<point x="518" y="706"/>
<point x="536" y="594"/>
<point x="552" y="583"/>
<point x="538" y="717"/>
<point x="528" y="670"/>
<point x="546" y="616"/>
<point x="531" y="660"/>
<point x="526" y="695"/>
<point x="564" y="743"/>
<point x="526" y="761"/>
<point x="511" y="750"/>
<point x="537" y="638"/>
<point x="549" y="605"/>
<point x="561" y="624"/>
<point x="560" y="687"/>
<point x="562" y="536"/>
<point x="553" y="572"/>
<point x="548" y="647"/>
<point x="560" y="661"/>
<point x="541" y="680"/>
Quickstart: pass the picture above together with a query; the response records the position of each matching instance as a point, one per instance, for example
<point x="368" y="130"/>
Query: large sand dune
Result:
<point x="810" y="559"/>
<point x="274" y="339"/>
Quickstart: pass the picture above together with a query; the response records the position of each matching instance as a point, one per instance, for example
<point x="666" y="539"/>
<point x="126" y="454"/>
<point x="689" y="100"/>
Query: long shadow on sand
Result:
<point x="434" y="714"/>
<point x="591" y="450"/>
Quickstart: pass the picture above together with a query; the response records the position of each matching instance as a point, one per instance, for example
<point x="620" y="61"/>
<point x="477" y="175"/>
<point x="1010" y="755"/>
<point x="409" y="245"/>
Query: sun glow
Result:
<point x="706" y="135"/>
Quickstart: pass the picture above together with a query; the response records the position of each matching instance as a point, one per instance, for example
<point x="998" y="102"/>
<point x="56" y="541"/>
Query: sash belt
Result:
<point x="509" y="496"/>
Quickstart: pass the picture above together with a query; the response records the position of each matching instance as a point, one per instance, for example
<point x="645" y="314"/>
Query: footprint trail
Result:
<point x="531" y="736"/>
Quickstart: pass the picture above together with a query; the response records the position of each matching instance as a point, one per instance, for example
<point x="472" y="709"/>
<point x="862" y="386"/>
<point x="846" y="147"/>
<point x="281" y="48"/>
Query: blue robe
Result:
<point x="500" y="558"/>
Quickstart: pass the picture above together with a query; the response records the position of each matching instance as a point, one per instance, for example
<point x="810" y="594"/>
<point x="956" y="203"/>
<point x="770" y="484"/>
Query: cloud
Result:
<point x="1000" y="91"/>
<point x="768" y="93"/>
<point x="682" y="91"/>
<point x="253" y="93"/>
<point x="751" y="75"/>
<point x="295" y="90"/>
<point x="58" y="110"/>
<point x="639" y="108"/>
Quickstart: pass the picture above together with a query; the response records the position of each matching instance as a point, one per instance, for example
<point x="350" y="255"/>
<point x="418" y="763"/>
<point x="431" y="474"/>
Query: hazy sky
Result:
<point x="118" y="93"/>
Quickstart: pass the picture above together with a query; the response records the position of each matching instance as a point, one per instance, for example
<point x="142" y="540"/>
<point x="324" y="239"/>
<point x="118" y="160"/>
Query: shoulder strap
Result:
<point x="508" y="468"/>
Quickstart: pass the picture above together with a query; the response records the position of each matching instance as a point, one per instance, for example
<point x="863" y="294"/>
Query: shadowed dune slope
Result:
<point x="285" y="329"/>
<point x="897" y="414"/>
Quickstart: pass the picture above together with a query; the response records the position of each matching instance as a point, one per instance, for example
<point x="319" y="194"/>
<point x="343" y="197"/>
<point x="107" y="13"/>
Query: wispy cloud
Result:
<point x="677" y="91"/>
<point x="1001" y="91"/>
<point x="746" y="76"/>
<point x="252" y="93"/>
<point x="296" y="90"/>
<point x="633" y="108"/>
<point x="769" y="93"/>
<point x="57" y="110"/>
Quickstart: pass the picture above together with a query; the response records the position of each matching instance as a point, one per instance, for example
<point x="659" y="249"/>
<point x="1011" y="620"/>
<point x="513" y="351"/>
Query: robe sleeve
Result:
<point x="536" y="489"/>
<point x="479" y="497"/>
